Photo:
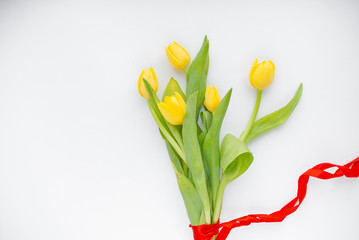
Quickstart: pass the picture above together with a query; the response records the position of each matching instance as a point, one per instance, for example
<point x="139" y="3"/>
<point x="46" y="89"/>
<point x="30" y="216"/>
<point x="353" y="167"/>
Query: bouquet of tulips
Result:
<point x="190" y="123"/>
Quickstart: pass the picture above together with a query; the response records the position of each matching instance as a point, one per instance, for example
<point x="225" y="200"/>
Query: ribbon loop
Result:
<point x="206" y="232"/>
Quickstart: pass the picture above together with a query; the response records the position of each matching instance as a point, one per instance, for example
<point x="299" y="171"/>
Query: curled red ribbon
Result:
<point x="206" y="232"/>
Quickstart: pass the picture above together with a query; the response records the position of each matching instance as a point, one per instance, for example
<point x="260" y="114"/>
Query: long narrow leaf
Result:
<point x="197" y="75"/>
<point x="190" y="196"/>
<point x="211" y="151"/>
<point x="194" y="156"/>
<point x="276" y="118"/>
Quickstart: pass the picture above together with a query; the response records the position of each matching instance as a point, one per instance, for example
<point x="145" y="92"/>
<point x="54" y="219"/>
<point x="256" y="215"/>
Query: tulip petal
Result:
<point x="273" y="66"/>
<point x="180" y="53"/>
<point x="177" y="55"/>
<point x="180" y="100"/>
<point x="150" y="76"/>
<point x="253" y="69"/>
<point x="141" y="84"/>
<point x="169" y="113"/>
<point x="173" y="109"/>
<point x="262" y="74"/>
<point x="154" y="76"/>
<point x="172" y="58"/>
<point x="212" y="98"/>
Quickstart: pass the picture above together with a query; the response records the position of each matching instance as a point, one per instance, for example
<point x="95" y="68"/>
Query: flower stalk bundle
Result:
<point x="190" y="122"/>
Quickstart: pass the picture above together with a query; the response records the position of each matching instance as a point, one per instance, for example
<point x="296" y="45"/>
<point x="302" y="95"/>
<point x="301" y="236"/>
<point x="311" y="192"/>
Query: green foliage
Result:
<point x="197" y="75"/>
<point x="274" y="119"/>
<point x="211" y="153"/>
<point x="193" y="154"/>
<point x="206" y="118"/>
<point x="203" y="166"/>
<point x="190" y="197"/>
<point x="235" y="158"/>
<point x="173" y="87"/>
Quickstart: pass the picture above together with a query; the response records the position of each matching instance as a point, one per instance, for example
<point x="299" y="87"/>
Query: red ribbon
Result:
<point x="206" y="232"/>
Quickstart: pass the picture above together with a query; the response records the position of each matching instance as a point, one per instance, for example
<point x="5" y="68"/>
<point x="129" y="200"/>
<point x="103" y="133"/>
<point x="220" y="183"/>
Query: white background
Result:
<point x="81" y="157"/>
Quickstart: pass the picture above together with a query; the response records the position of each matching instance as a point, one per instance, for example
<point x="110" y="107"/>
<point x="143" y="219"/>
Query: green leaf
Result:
<point x="235" y="158"/>
<point x="206" y="118"/>
<point x="211" y="152"/>
<point x="189" y="194"/>
<point x="194" y="156"/>
<point x="190" y="197"/>
<point x="173" y="87"/>
<point x="197" y="75"/>
<point x="175" y="159"/>
<point x="274" y="119"/>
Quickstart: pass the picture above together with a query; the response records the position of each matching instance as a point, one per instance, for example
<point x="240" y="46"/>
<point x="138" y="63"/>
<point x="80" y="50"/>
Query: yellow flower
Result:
<point x="212" y="98"/>
<point x="173" y="109"/>
<point x="178" y="56"/>
<point x="150" y="76"/>
<point x="262" y="74"/>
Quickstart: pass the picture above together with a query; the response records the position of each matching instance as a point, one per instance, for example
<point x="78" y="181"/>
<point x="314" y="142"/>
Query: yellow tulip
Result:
<point x="178" y="56"/>
<point x="212" y="98"/>
<point x="262" y="74"/>
<point x="150" y="76"/>
<point x="173" y="109"/>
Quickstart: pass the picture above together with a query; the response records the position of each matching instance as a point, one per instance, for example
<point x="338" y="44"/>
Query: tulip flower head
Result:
<point x="178" y="56"/>
<point x="212" y="98"/>
<point x="262" y="74"/>
<point x="150" y="76"/>
<point x="173" y="109"/>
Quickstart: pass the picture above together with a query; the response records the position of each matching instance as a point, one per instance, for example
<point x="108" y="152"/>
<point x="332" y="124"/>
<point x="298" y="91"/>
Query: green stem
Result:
<point x="219" y="201"/>
<point x="253" y="117"/>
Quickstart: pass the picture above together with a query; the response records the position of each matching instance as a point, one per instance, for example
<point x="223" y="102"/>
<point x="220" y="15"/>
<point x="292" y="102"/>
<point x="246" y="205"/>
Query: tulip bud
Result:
<point x="178" y="56"/>
<point x="262" y="74"/>
<point x="212" y="98"/>
<point x="173" y="109"/>
<point x="150" y="76"/>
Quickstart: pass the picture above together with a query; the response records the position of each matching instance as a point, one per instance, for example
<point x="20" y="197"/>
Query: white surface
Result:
<point x="81" y="158"/>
